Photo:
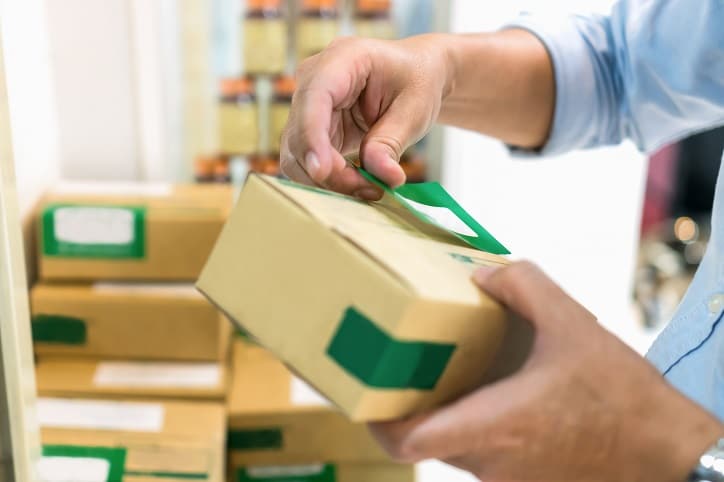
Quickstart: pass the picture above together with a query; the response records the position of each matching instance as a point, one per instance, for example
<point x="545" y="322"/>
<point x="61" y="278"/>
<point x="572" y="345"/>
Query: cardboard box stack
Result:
<point x="132" y="364"/>
<point x="280" y="429"/>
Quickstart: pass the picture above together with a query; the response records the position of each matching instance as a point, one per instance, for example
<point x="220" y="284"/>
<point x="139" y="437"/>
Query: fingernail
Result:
<point x="367" y="194"/>
<point x="482" y="274"/>
<point x="311" y="164"/>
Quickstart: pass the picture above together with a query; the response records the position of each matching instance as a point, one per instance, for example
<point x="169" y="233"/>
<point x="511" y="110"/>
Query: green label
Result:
<point x="83" y="231"/>
<point x="115" y="456"/>
<point x="255" y="439"/>
<point x="376" y="359"/>
<point x="428" y="200"/>
<point x="298" y="473"/>
<point x="58" y="329"/>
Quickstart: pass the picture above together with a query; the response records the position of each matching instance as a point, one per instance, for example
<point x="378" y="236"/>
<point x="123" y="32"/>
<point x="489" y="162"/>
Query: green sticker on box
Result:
<point x="378" y="360"/>
<point x="94" y="231"/>
<point x="58" y="329"/>
<point x="255" y="439"/>
<point x="109" y="461"/>
<point x="431" y="203"/>
<point x="290" y="473"/>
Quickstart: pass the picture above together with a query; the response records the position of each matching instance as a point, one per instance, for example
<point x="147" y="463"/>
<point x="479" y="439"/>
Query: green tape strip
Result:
<point x="255" y="439"/>
<point x="102" y="217"/>
<point x="58" y="329"/>
<point x="326" y="473"/>
<point x="169" y="475"/>
<point x="434" y="195"/>
<point x="116" y="456"/>
<point x="376" y="359"/>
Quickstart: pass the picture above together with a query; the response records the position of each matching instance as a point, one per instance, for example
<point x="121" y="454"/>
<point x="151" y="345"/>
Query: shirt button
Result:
<point x="715" y="304"/>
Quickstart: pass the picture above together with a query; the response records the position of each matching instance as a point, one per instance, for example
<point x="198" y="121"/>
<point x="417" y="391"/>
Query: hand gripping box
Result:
<point x="113" y="231"/>
<point x="132" y="321"/>
<point x="275" y="418"/>
<point x="114" y="441"/>
<point x="372" y="304"/>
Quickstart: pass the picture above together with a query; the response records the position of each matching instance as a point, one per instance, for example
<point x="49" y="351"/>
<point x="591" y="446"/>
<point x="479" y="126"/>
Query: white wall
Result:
<point x="31" y="97"/>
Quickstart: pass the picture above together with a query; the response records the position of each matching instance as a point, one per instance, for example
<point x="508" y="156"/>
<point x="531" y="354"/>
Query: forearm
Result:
<point x="500" y="84"/>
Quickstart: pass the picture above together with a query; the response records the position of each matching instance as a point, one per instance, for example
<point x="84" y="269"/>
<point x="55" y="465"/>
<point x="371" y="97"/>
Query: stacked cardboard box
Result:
<point x="280" y="429"/>
<point x="121" y="335"/>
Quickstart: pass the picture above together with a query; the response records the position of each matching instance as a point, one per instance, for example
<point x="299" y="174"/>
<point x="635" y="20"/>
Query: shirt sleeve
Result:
<point x="589" y="88"/>
<point x="652" y="71"/>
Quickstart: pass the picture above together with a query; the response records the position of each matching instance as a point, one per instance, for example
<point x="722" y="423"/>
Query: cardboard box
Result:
<point x="164" y="233"/>
<point x="129" y="321"/>
<point x="88" y="378"/>
<point x="371" y="305"/>
<point x="131" y="441"/>
<point x="276" y="418"/>
<point x="325" y="472"/>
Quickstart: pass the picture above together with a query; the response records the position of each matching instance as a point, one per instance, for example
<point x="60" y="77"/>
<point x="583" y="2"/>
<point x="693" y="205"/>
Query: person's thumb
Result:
<point x="398" y="128"/>
<point x="524" y="289"/>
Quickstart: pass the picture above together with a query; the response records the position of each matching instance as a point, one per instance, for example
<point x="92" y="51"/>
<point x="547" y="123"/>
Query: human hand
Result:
<point x="372" y="96"/>
<point x="584" y="407"/>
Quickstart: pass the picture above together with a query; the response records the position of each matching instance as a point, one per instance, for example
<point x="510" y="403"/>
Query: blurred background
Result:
<point x="198" y="91"/>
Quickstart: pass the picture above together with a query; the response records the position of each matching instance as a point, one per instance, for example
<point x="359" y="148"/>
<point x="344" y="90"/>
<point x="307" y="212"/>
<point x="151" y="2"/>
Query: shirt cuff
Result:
<point x="574" y="80"/>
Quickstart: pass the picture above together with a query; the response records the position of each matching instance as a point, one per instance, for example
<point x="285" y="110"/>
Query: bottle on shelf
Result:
<point x="281" y="103"/>
<point x="373" y="19"/>
<point x="264" y="164"/>
<point x="317" y="26"/>
<point x="414" y="164"/>
<point x="206" y="167"/>
<point x="238" y="117"/>
<point x="264" y="30"/>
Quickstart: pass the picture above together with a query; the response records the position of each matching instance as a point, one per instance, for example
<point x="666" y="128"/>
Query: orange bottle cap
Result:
<point x="236" y="86"/>
<point x="370" y="6"/>
<point x="319" y="4"/>
<point x="263" y="4"/>
<point x="284" y="85"/>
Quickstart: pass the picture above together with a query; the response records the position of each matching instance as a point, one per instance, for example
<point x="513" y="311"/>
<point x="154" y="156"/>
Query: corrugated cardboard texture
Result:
<point x="143" y="322"/>
<point x="78" y="378"/>
<point x="190" y="442"/>
<point x="292" y="261"/>
<point x="179" y="231"/>
<point x="261" y="403"/>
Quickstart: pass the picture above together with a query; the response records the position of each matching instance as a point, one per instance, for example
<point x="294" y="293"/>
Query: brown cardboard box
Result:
<point x="325" y="472"/>
<point x="161" y="234"/>
<point x="132" y="441"/>
<point x="89" y="378"/>
<point x="129" y="321"/>
<point x="373" y="307"/>
<point x="276" y="418"/>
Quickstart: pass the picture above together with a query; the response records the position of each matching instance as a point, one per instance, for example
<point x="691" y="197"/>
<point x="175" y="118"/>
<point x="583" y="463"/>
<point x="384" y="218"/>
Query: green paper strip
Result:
<point x="255" y="439"/>
<point x="169" y="475"/>
<point x="433" y="194"/>
<point x="376" y="359"/>
<point x="287" y="474"/>
<point x="116" y="456"/>
<point x="52" y="246"/>
<point x="58" y="329"/>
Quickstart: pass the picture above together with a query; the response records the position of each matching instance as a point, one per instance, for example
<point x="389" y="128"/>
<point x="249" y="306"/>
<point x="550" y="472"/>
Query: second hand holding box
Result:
<point x="371" y="303"/>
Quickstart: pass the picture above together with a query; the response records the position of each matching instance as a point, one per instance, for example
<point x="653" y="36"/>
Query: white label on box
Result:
<point x="157" y="375"/>
<point x="113" y="188"/>
<point x="73" y="469"/>
<point x="273" y="472"/>
<point x="100" y="415"/>
<point x="187" y="290"/>
<point x="94" y="225"/>
<point x="304" y="395"/>
<point x="443" y="217"/>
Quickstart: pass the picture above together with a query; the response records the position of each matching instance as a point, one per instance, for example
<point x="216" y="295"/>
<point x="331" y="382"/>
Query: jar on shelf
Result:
<point x="317" y="26"/>
<point x="204" y="168"/>
<point x="264" y="164"/>
<point x="373" y="19"/>
<point x="222" y="172"/>
<point x="238" y="117"/>
<point x="414" y="165"/>
<point x="264" y="30"/>
<point x="281" y="103"/>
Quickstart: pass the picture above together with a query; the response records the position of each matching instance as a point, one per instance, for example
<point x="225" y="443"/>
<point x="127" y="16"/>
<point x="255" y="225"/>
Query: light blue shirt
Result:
<point x="653" y="72"/>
